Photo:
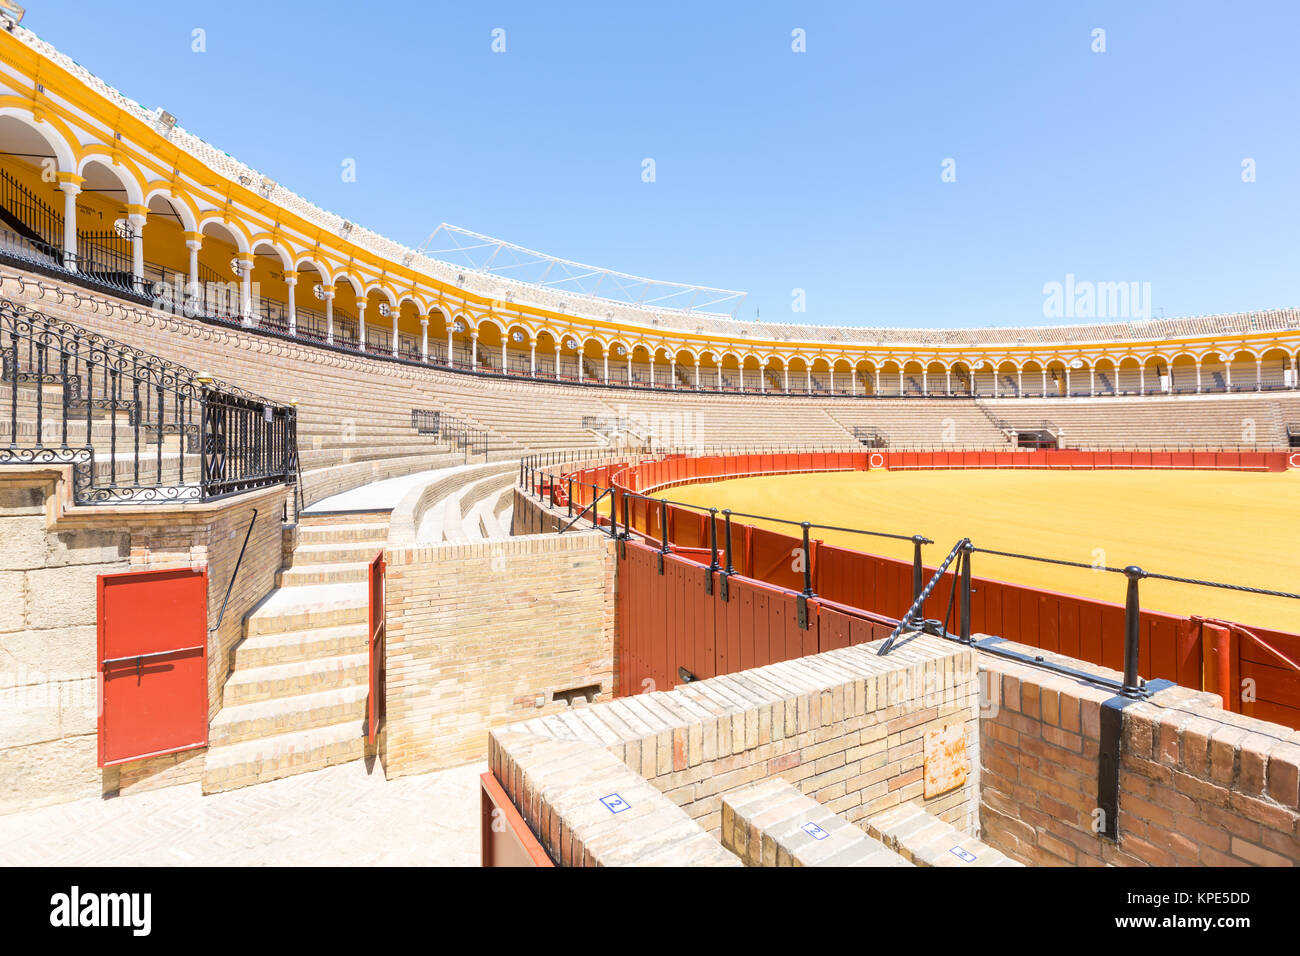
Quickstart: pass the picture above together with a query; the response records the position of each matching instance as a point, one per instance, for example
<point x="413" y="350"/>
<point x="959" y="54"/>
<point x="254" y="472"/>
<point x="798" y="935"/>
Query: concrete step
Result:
<point x="928" y="841"/>
<point x="771" y="823"/>
<point x="270" y="758"/>
<point x="270" y="681"/>
<point x="309" y="607"/>
<point x="313" y="554"/>
<point x="307" y="574"/>
<point x="375" y="533"/>
<point x="281" y="715"/>
<point x="262" y="650"/>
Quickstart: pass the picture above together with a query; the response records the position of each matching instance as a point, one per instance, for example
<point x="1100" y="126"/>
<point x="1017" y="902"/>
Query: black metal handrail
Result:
<point x="134" y="427"/>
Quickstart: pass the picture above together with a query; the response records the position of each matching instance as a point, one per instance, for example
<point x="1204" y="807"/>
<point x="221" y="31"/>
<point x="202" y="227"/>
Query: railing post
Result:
<point x="570" y="496"/>
<point x="1132" y="632"/>
<point x="965" y="593"/>
<point x="918" y="572"/>
<point x="613" y="512"/>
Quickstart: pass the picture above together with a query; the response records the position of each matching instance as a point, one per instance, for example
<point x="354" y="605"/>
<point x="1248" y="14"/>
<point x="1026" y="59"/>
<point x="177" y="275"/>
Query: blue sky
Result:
<point x="775" y="170"/>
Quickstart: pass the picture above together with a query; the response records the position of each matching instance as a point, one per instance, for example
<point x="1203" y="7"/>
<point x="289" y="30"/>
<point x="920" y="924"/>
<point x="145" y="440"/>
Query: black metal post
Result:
<point x="918" y="574"/>
<point x="570" y="496"/>
<point x="726" y="540"/>
<point x="807" y="562"/>
<point x="1132" y="632"/>
<point x="613" y="512"/>
<point x="663" y="526"/>
<point x="965" y="594"/>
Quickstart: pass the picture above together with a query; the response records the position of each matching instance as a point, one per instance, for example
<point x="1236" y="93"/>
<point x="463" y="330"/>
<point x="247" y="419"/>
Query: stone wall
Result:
<point x="485" y="633"/>
<point x="51" y="555"/>
<point x="1198" y="785"/>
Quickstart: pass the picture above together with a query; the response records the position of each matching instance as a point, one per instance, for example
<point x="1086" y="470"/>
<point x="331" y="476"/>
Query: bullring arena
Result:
<point x="599" y="582"/>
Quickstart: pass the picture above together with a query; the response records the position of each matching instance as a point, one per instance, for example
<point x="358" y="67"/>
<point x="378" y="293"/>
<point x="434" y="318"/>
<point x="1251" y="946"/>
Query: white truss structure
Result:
<point x="497" y="257"/>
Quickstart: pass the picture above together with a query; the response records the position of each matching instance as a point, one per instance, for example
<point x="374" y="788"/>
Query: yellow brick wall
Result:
<point x="480" y="634"/>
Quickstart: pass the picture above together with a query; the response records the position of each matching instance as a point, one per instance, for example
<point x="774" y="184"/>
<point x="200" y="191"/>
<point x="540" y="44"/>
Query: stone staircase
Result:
<point x="296" y="698"/>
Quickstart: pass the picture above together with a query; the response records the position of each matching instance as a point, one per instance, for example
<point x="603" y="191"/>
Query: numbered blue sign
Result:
<point x="614" y="803"/>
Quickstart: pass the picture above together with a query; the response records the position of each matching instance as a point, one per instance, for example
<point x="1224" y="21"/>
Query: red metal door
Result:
<point x="152" y="663"/>
<point x="376" y="707"/>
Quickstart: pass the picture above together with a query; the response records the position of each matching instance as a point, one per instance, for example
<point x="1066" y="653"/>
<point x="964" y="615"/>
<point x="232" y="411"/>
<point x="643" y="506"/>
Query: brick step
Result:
<point x="338" y="519"/>
<point x="375" y="533"/>
<point x="263" y="650"/>
<point x="928" y="841"/>
<point x="771" y="823"/>
<point x="271" y="681"/>
<point x="282" y="715"/>
<point x="305" y="555"/>
<point x="342" y="573"/>
<point x="309" y="607"/>
<point x="270" y="758"/>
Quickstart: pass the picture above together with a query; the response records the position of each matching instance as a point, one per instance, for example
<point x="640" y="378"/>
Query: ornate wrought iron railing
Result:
<point x="133" y="426"/>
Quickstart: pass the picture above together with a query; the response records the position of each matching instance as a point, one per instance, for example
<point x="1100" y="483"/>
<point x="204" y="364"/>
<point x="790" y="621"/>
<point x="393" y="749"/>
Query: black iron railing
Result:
<point x="133" y="426"/>
<point x="426" y="421"/>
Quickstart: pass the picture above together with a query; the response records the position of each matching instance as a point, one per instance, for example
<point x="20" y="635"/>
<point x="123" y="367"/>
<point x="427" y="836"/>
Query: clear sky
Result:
<point x="775" y="170"/>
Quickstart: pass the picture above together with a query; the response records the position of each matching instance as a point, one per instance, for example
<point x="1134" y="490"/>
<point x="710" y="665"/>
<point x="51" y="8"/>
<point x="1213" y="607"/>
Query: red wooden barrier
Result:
<point x="668" y="621"/>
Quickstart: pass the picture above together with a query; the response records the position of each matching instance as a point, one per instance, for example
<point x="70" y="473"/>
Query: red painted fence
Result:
<point x="670" y="620"/>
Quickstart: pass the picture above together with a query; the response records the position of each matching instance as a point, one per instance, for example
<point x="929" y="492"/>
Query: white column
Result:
<point x="925" y="381"/>
<point x="505" y="357"/>
<point x="1092" y="381"/>
<point x="361" y="323"/>
<point x="245" y="288"/>
<point x="581" y="369"/>
<point x="424" y="338"/>
<point x="832" y="381"/>
<point x="947" y="381"/>
<point x="291" y="281"/>
<point x="1067" y="381"/>
<point x="995" y="383"/>
<point x="397" y="311"/>
<point x="1044" y="382"/>
<point x="853" y="380"/>
<point x="473" y="350"/>
<point x="697" y="375"/>
<point x="194" y="242"/>
<point x="1142" y="379"/>
<point x="1259" y="375"/>
<point x="532" y="358"/>
<point x="605" y="358"/>
<point x="1020" y="382"/>
<point x="557" y="360"/>
<point x="137" y="221"/>
<point x="329" y="315"/>
<point x="787" y="379"/>
<point x="719" y="370"/>
<point x="876" y="388"/>
<point x="807" y="371"/>
<point x="1198" y="377"/>
<point x="652" y="372"/>
<point x="901" y="389"/>
<point x="71" y="191"/>
<point x="629" y="366"/>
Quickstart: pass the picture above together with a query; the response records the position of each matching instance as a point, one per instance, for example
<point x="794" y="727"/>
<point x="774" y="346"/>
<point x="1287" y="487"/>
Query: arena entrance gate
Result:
<point x="152" y="663"/>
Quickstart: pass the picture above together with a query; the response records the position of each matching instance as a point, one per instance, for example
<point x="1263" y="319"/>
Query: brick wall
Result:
<point x="51" y="555"/>
<point x="1198" y="785"/>
<point x="846" y="727"/>
<point x="485" y="633"/>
